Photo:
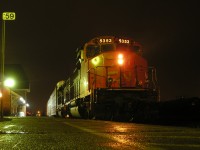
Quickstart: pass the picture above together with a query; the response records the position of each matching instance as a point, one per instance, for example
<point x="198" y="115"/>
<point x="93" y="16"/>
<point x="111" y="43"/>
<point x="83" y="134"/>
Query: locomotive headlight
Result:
<point x="96" y="60"/>
<point x="120" y="59"/>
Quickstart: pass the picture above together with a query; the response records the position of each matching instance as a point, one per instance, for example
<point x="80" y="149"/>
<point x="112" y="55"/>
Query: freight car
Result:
<point x="110" y="80"/>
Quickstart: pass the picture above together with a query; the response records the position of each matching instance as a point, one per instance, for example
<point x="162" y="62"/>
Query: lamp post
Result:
<point x="5" y="16"/>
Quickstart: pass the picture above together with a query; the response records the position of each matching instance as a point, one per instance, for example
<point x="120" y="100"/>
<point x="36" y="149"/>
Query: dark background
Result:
<point x="46" y="33"/>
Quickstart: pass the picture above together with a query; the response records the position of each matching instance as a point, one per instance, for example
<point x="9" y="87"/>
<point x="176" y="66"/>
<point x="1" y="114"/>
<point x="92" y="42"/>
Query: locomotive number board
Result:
<point x="102" y="40"/>
<point x="110" y="40"/>
<point x="124" y="41"/>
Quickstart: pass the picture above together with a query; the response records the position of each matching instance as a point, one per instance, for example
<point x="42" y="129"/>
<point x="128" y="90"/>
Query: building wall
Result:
<point x="11" y="103"/>
<point x="14" y="103"/>
<point x="6" y="102"/>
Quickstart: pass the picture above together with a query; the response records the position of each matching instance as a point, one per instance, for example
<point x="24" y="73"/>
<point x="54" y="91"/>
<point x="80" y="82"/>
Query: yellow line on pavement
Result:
<point x="104" y="135"/>
<point x="130" y="143"/>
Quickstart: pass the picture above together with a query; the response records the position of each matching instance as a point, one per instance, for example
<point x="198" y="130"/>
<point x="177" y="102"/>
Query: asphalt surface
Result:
<point x="43" y="133"/>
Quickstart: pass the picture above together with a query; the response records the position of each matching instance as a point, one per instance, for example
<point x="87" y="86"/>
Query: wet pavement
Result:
<point x="58" y="133"/>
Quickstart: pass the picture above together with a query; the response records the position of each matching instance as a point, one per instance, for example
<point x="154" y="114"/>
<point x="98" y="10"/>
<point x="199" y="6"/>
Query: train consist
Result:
<point x="110" y="80"/>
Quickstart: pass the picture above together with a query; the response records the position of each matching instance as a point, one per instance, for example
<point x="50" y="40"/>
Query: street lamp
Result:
<point x="5" y="16"/>
<point x="9" y="82"/>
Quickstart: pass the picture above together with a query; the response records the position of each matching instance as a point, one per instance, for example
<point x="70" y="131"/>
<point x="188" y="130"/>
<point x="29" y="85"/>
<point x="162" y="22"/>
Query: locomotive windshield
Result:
<point x="92" y="50"/>
<point x="107" y="47"/>
<point x="134" y="48"/>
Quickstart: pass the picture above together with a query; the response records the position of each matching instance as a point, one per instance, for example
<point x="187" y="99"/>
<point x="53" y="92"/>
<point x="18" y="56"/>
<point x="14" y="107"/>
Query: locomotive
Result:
<point x="110" y="80"/>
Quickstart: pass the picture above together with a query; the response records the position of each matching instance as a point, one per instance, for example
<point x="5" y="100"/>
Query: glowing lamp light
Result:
<point x="120" y="59"/>
<point x="22" y="100"/>
<point x="9" y="82"/>
<point x="1" y="94"/>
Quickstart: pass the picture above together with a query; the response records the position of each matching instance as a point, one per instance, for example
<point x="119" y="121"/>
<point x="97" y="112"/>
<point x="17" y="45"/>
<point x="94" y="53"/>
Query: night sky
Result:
<point x="46" y="33"/>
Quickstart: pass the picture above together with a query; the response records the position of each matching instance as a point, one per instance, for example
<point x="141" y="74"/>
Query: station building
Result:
<point x="14" y="99"/>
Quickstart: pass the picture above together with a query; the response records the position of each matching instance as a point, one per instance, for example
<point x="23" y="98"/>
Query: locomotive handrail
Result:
<point x="153" y="76"/>
<point x="95" y="73"/>
<point x="155" y="81"/>
<point x="90" y="69"/>
<point x="106" y="76"/>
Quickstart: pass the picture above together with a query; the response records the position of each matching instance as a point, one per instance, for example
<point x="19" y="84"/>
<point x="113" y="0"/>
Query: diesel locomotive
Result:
<point x="110" y="81"/>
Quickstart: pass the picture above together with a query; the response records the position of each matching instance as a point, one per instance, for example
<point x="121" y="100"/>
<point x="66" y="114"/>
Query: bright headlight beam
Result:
<point x="120" y="59"/>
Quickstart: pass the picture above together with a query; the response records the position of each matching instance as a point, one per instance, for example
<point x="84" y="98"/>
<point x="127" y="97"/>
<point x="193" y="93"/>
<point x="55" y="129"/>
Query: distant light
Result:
<point x="1" y="94"/>
<point x="9" y="82"/>
<point x="22" y="100"/>
<point x="27" y="105"/>
<point x="38" y="113"/>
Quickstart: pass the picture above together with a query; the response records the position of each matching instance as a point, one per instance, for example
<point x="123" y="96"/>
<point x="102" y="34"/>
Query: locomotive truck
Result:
<point x="112" y="81"/>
